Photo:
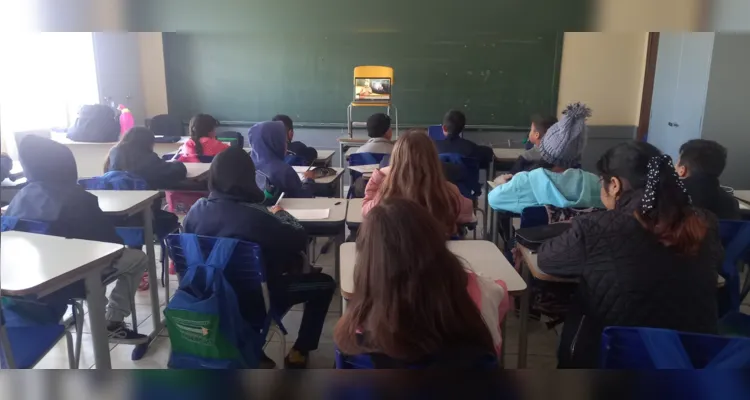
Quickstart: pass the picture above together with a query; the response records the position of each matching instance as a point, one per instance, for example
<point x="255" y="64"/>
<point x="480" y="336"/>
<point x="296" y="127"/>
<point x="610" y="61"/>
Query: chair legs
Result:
<point x="72" y="361"/>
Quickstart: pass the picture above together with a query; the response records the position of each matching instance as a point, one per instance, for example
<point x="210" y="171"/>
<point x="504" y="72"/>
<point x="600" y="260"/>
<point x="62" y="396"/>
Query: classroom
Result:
<point x="370" y="195"/>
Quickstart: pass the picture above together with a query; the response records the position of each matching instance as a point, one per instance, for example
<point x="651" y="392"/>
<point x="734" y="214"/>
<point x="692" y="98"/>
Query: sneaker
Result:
<point x="119" y="332"/>
<point x="295" y="360"/>
<point x="143" y="286"/>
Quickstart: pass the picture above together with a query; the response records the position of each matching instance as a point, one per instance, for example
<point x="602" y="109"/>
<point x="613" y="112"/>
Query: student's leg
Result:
<point x="130" y="267"/>
<point x="315" y="290"/>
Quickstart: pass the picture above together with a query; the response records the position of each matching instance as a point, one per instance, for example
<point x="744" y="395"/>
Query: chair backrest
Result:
<point x="356" y="159"/>
<point x="436" y="132"/>
<point x="650" y="348"/>
<point x="534" y="216"/>
<point x="114" y="180"/>
<point x="295" y="160"/>
<point x="235" y="139"/>
<point x="468" y="180"/>
<point x="166" y="125"/>
<point x="735" y="237"/>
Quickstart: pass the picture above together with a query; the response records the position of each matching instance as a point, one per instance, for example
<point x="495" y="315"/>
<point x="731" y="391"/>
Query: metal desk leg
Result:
<point x="523" y="335"/>
<point x="97" y="301"/>
<point x="490" y="176"/>
<point x="342" y="159"/>
<point x="153" y="278"/>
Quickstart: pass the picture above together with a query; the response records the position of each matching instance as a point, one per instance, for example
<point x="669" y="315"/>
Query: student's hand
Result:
<point x="502" y="179"/>
<point x="276" y="209"/>
<point x="309" y="174"/>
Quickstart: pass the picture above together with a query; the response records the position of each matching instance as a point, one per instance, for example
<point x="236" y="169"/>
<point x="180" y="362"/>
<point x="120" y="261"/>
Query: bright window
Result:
<point x="45" y="78"/>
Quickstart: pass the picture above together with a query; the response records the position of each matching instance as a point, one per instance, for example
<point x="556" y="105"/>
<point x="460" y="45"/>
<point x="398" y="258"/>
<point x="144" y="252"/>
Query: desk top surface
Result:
<point x="124" y="201"/>
<point x="33" y="263"/>
<point x="337" y="207"/>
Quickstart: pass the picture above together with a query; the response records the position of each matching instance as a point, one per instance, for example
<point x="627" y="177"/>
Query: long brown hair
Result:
<point x="136" y="142"/>
<point x="673" y="221"/>
<point x="417" y="175"/>
<point x="410" y="298"/>
<point x="201" y="125"/>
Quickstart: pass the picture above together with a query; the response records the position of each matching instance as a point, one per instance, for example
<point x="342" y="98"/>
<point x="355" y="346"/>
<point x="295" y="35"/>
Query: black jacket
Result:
<point x="628" y="278"/>
<point x="466" y="148"/>
<point x="706" y="193"/>
<point x="159" y="174"/>
<point x="53" y="195"/>
<point x="309" y="154"/>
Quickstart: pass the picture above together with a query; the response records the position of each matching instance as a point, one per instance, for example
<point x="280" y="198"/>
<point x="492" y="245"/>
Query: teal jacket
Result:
<point x="572" y="188"/>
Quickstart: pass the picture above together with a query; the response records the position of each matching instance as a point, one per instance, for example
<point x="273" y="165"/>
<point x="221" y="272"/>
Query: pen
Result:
<point x="279" y="200"/>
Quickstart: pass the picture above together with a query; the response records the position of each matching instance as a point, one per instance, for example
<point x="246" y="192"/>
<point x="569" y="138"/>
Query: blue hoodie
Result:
<point x="572" y="188"/>
<point x="268" y="141"/>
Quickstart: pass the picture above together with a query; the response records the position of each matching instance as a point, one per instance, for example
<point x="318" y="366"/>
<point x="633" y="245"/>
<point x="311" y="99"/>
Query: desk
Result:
<point x="506" y="154"/>
<point x="41" y="264"/>
<point x="197" y="170"/>
<point x="743" y="196"/>
<point x="348" y="145"/>
<point x="354" y="214"/>
<point x="324" y="157"/>
<point x="365" y="169"/>
<point x="333" y="181"/>
<point x="332" y="227"/>
<point x="131" y="202"/>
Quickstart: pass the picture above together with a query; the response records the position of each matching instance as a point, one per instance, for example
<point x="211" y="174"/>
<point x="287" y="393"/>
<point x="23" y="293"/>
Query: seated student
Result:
<point x="412" y="308"/>
<point x="454" y="122"/>
<point x="651" y="260"/>
<point x="532" y="157"/>
<point x="135" y="154"/>
<point x="415" y="174"/>
<point x="234" y="209"/>
<point x="202" y="140"/>
<point x="558" y="184"/>
<point x="268" y="140"/>
<point x="380" y="133"/>
<point x="700" y="165"/>
<point x="54" y="196"/>
<point x="308" y="154"/>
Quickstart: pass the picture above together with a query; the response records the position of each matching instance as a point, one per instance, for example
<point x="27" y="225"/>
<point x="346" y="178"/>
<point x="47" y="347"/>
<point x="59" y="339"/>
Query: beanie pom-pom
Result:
<point x="577" y="111"/>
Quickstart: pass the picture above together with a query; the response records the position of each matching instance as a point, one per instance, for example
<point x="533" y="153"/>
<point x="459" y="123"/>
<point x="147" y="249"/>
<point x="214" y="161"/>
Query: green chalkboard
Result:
<point x="498" y="79"/>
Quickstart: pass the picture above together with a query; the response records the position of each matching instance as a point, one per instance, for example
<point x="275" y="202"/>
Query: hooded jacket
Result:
<point x="159" y="174"/>
<point x="268" y="141"/>
<point x="53" y="195"/>
<point x="571" y="188"/>
<point x="234" y="210"/>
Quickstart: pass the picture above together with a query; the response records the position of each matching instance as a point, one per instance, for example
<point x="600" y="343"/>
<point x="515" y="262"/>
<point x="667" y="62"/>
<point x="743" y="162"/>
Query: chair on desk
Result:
<point x="243" y="267"/>
<point x="464" y="173"/>
<point x="650" y="348"/>
<point x="132" y="237"/>
<point x="357" y="159"/>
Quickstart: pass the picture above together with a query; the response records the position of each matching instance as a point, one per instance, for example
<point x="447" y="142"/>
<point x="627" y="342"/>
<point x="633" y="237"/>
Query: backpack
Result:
<point x="205" y="326"/>
<point x="114" y="180"/>
<point x="95" y="123"/>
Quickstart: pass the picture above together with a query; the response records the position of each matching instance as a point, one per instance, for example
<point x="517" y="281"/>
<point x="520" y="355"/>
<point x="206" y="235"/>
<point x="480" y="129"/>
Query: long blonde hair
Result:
<point x="417" y="175"/>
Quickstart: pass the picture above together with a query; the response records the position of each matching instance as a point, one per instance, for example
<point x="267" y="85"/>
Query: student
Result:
<point x="560" y="183"/>
<point x="53" y="195"/>
<point x="268" y="140"/>
<point x="454" y="122"/>
<point x="532" y="157"/>
<point x="700" y="165"/>
<point x="308" y="154"/>
<point x="651" y="260"/>
<point x="412" y="307"/>
<point x="202" y="140"/>
<point x="135" y="154"/>
<point x="234" y="209"/>
<point x="416" y="174"/>
<point x="380" y="133"/>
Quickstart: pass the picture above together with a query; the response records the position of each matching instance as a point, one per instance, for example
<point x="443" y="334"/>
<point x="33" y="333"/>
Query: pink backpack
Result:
<point x="126" y="119"/>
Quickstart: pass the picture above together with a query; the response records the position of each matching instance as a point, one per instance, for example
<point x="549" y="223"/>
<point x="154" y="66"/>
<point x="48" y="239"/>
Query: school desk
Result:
<point x="332" y="227"/>
<point x="132" y="202"/>
<point x="324" y="158"/>
<point x="743" y="196"/>
<point x="197" y="170"/>
<point x="34" y="264"/>
<point x="354" y="214"/>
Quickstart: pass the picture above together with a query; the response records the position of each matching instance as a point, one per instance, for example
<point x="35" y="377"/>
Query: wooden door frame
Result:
<point x="647" y="94"/>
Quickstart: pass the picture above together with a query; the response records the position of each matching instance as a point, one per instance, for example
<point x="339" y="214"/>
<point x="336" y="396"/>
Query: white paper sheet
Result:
<point x="310" y="214"/>
<point x="364" y="169"/>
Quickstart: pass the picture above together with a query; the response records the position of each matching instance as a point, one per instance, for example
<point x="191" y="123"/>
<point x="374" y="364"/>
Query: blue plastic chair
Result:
<point x="735" y="237"/>
<point x="469" y="185"/>
<point x="436" y="132"/>
<point x="24" y="347"/>
<point x="246" y="272"/>
<point x="356" y="159"/>
<point x="295" y="160"/>
<point x="365" y="361"/>
<point x="534" y="216"/>
<point x="650" y="348"/>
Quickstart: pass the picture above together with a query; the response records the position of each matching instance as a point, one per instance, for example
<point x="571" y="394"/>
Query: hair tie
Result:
<point x="655" y="167"/>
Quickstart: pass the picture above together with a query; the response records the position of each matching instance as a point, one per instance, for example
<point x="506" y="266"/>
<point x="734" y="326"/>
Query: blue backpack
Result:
<point x="206" y="328"/>
<point x="114" y="180"/>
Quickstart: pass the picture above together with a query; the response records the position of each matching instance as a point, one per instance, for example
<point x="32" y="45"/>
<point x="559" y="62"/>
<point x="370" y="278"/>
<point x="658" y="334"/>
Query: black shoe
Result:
<point x="119" y="332"/>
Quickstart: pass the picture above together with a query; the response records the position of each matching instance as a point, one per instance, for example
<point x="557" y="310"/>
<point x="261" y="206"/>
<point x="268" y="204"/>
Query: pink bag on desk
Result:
<point x="126" y="119"/>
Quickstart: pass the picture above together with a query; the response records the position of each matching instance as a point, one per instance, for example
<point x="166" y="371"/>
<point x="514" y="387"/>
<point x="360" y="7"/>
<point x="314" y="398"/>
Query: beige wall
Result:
<point x="604" y="70"/>
<point x="648" y="15"/>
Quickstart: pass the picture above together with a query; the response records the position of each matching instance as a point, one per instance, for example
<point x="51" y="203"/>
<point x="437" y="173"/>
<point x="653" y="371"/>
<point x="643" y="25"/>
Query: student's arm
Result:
<point x="296" y="189"/>
<point x="371" y="191"/>
<point x="564" y="255"/>
<point x="514" y="195"/>
<point x="162" y="174"/>
<point x="293" y="232"/>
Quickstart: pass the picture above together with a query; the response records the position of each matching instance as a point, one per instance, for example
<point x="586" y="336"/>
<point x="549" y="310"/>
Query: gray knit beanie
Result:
<point x="564" y="142"/>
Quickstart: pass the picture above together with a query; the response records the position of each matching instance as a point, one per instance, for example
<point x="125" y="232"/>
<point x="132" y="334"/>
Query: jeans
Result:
<point x="315" y="291"/>
<point x="129" y="267"/>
